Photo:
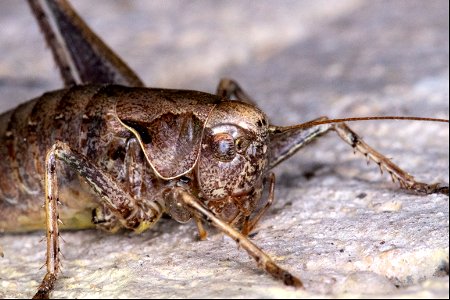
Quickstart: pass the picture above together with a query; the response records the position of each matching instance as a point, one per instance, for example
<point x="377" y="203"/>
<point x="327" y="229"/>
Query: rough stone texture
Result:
<point x="345" y="230"/>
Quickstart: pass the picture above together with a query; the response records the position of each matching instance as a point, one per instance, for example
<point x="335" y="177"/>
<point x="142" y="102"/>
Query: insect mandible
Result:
<point x="226" y="140"/>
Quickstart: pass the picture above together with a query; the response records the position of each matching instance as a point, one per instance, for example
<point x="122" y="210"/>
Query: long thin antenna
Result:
<point x="329" y="121"/>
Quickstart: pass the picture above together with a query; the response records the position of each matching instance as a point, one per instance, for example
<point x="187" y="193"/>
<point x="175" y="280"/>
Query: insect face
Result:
<point x="233" y="159"/>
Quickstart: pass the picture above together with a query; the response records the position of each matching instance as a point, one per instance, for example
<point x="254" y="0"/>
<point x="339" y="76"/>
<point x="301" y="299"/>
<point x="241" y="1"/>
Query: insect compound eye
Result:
<point x="223" y="147"/>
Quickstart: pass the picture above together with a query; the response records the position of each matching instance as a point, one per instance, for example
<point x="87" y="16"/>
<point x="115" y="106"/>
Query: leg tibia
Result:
<point x="405" y="180"/>
<point x="287" y="141"/>
<point x="82" y="57"/>
<point x="250" y="224"/>
<point x="228" y="88"/>
<point x="264" y="261"/>
<point x="111" y="196"/>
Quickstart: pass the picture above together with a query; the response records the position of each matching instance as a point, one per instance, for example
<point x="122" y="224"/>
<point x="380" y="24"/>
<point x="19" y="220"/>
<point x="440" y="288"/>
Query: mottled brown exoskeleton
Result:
<point x="144" y="152"/>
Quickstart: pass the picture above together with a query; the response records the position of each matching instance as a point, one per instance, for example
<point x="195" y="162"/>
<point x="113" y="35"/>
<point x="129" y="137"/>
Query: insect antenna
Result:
<point x="277" y="129"/>
<point x="287" y="140"/>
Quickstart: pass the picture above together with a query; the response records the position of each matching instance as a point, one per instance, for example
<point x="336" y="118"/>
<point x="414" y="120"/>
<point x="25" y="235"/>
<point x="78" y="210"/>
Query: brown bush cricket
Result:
<point x="131" y="147"/>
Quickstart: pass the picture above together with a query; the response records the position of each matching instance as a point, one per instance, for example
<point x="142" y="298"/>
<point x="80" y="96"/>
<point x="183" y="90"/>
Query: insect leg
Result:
<point x="284" y="143"/>
<point x="250" y="224"/>
<point x="228" y="88"/>
<point x="82" y="57"/>
<point x="202" y="234"/>
<point x="53" y="251"/>
<point x="111" y="195"/>
<point x="405" y="180"/>
<point x="183" y="197"/>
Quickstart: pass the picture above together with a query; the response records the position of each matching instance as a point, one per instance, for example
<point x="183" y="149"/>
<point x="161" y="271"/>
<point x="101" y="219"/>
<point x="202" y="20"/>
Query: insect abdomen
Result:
<point x="74" y="116"/>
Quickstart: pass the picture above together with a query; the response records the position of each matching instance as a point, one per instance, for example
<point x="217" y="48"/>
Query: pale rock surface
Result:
<point x="336" y="223"/>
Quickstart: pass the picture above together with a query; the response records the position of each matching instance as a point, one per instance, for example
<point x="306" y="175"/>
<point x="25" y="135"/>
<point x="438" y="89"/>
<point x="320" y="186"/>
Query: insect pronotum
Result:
<point x="299" y="272"/>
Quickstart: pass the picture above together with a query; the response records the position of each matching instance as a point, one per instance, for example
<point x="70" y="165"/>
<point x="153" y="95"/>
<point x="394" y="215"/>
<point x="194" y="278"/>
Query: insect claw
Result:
<point x="442" y="190"/>
<point x="43" y="266"/>
<point x="60" y="221"/>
